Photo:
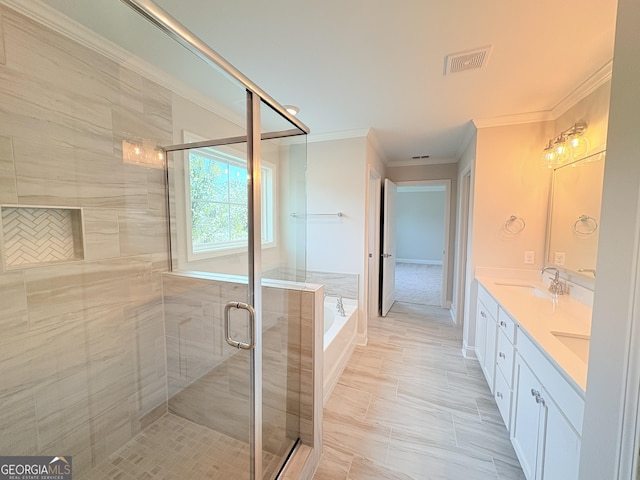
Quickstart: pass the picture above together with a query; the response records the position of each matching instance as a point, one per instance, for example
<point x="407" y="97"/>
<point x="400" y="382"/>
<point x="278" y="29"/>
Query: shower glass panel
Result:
<point x="283" y="160"/>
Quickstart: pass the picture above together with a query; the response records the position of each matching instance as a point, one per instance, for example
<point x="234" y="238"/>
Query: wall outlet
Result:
<point x="529" y="257"/>
<point x="559" y="258"/>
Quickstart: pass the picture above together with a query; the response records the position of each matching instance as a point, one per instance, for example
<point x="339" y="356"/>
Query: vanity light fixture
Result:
<point x="569" y="145"/>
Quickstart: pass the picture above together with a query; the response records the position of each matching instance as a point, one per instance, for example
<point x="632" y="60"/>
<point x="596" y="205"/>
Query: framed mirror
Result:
<point x="574" y="216"/>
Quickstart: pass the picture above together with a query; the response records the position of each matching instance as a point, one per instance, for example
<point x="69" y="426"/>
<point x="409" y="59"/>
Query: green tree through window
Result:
<point x="218" y="195"/>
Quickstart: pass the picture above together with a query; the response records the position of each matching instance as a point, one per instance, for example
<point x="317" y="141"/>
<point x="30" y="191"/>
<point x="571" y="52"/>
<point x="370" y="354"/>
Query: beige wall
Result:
<point x="446" y="171"/>
<point x="509" y="180"/>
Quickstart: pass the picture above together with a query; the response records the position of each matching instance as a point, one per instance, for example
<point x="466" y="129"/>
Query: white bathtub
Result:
<point x="339" y="340"/>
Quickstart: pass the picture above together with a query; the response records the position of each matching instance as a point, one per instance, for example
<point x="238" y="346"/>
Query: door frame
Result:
<point x="389" y="202"/>
<point x="372" y="250"/>
<point x="446" y="182"/>
<point x="464" y="211"/>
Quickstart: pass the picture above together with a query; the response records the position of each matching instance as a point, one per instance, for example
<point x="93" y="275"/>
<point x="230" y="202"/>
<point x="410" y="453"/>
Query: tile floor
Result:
<point x="409" y="406"/>
<point x="174" y="448"/>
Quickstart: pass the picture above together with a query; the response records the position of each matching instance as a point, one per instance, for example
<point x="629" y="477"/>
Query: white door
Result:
<point x="389" y="247"/>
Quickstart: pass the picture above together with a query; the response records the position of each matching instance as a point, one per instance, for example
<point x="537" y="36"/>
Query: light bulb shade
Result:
<point x="561" y="151"/>
<point x="548" y="157"/>
<point x="578" y="144"/>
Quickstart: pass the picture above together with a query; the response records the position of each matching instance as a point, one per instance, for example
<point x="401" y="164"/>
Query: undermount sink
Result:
<point x="578" y="344"/>
<point x="528" y="290"/>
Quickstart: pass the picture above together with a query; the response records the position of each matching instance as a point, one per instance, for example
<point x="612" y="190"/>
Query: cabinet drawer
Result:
<point x="504" y="357"/>
<point x="490" y="304"/>
<point x="507" y="325"/>
<point x="502" y="395"/>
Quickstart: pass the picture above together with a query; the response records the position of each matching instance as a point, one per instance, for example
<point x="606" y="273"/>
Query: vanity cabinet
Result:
<point x="540" y="404"/>
<point x="486" y="335"/>
<point x="547" y="418"/>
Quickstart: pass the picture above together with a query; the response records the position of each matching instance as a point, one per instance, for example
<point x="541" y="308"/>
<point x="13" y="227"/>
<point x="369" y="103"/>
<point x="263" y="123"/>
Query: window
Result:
<point x="217" y="203"/>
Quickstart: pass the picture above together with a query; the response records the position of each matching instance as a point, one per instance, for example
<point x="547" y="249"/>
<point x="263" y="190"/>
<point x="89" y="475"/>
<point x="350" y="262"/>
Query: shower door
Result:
<point x="230" y="201"/>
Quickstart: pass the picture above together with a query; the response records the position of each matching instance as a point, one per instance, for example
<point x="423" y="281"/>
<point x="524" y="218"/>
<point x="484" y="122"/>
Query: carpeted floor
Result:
<point x="418" y="284"/>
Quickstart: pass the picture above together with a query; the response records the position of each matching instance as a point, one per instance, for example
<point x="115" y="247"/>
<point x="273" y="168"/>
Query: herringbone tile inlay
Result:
<point x="37" y="235"/>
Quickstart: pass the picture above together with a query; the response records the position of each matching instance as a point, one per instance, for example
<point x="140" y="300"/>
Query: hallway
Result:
<point x="409" y="406"/>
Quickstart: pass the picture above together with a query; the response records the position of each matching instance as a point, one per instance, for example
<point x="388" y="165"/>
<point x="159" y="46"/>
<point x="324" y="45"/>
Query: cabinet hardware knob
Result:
<point x="534" y="392"/>
<point x="499" y="395"/>
<point x="502" y="355"/>
<point x="503" y="323"/>
<point x="482" y="314"/>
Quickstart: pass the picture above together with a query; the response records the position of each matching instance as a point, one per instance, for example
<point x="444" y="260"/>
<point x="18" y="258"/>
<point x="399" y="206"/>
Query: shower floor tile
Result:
<point x="173" y="448"/>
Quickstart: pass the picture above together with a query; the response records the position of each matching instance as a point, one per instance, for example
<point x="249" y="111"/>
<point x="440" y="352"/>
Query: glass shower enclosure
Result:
<point x="157" y="330"/>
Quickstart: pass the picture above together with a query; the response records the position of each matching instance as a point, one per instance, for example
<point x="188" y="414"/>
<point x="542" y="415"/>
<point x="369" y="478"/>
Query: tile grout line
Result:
<point x="455" y="433"/>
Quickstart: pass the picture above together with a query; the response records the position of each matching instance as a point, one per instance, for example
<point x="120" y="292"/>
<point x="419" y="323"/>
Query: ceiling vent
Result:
<point x="469" y="60"/>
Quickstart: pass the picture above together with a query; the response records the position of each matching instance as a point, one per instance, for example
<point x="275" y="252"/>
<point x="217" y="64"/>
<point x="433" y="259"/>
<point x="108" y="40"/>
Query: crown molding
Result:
<point x="469" y="131"/>
<point x="586" y="88"/>
<point x="515" y="119"/>
<point x="53" y="19"/>
<point x="372" y="136"/>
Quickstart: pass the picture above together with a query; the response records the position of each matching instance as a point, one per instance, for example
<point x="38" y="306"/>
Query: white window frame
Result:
<point x="269" y="187"/>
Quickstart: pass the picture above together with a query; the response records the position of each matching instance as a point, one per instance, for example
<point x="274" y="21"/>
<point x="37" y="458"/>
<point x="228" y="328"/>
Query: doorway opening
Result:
<point x="422" y="238"/>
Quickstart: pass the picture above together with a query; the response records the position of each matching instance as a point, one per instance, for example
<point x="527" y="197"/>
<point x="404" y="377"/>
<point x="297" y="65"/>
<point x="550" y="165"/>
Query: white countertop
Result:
<point x="538" y="317"/>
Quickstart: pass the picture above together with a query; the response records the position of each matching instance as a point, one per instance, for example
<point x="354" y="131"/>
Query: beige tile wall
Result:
<point x="82" y="346"/>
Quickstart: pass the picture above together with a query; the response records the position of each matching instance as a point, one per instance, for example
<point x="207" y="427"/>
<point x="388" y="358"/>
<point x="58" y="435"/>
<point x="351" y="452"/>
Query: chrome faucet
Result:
<point x="556" y="287"/>
<point x="340" y="307"/>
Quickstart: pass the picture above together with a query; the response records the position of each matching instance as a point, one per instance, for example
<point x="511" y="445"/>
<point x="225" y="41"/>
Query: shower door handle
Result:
<point x="227" y="324"/>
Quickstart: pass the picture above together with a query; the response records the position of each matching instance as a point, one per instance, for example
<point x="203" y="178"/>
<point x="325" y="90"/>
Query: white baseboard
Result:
<point x="420" y="262"/>
<point x="362" y="340"/>
<point x="468" y="352"/>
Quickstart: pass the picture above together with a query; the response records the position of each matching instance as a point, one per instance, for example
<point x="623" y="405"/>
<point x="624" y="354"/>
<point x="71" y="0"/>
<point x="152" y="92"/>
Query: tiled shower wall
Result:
<point x="82" y="362"/>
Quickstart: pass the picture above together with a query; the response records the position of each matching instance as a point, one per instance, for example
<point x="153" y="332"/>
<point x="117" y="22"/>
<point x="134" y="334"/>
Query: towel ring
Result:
<point x="514" y="225"/>
<point x="585" y="225"/>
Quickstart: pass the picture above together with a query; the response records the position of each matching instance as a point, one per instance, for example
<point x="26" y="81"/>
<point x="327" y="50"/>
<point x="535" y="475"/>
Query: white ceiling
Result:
<point x="354" y="65"/>
<point x="351" y="65"/>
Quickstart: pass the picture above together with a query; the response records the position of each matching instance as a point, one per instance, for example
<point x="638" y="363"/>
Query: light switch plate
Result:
<point x="559" y="258"/>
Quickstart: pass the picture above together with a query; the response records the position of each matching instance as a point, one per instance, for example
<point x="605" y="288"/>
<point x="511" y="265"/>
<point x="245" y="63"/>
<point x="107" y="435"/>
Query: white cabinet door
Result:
<point x="490" y="352"/>
<point x="560" y="455"/>
<point x="526" y="418"/>
<point x="481" y="333"/>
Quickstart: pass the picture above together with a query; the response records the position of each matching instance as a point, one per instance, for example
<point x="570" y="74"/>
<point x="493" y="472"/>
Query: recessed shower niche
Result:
<point x="40" y="235"/>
